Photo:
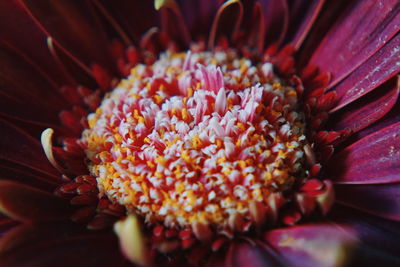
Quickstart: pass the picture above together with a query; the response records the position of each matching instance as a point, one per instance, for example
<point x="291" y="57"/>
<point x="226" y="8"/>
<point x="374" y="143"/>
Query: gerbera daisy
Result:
<point x="239" y="133"/>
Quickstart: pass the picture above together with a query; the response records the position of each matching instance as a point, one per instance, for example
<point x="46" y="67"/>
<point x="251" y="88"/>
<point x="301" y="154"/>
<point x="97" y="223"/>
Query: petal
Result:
<point x="11" y="13"/>
<point x="368" y="109"/>
<point x="382" y="199"/>
<point x="251" y="254"/>
<point x="73" y="26"/>
<point x="226" y="21"/>
<point x="303" y="15"/>
<point x="376" y="234"/>
<point x="313" y="245"/>
<point x="373" y="159"/>
<point x="26" y="203"/>
<point x="360" y="31"/>
<point x="68" y="248"/>
<point x="199" y="14"/>
<point x="276" y="15"/>
<point x="18" y="147"/>
<point x="376" y="70"/>
<point x="135" y="17"/>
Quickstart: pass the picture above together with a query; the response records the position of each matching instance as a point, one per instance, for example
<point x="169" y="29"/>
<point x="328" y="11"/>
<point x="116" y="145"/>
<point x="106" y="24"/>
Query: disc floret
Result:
<point x="205" y="138"/>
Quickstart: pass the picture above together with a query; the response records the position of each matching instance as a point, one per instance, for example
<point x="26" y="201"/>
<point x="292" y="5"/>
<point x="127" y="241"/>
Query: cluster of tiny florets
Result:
<point x="196" y="137"/>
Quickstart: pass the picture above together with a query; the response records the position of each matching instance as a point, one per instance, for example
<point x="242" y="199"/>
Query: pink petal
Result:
<point x="373" y="159"/>
<point x="27" y="204"/>
<point x="376" y="70"/>
<point x="251" y="254"/>
<point x="74" y="26"/>
<point x="303" y="15"/>
<point x="360" y="31"/>
<point x="276" y="15"/>
<point x="381" y="200"/>
<point x="18" y="147"/>
<point x="368" y="109"/>
<point x="313" y="245"/>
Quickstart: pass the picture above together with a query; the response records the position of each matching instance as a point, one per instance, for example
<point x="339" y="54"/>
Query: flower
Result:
<point x="302" y="93"/>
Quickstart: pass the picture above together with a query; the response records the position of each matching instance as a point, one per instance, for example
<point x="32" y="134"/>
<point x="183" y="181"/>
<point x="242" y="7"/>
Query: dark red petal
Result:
<point x="276" y="15"/>
<point x="371" y="74"/>
<point x="73" y="25"/>
<point x="373" y="159"/>
<point x="15" y="26"/>
<point x="199" y="15"/>
<point x="251" y="254"/>
<point x="17" y="173"/>
<point x="28" y="204"/>
<point x="173" y="24"/>
<point x="135" y="17"/>
<point x="361" y="30"/>
<point x="302" y="16"/>
<point x="313" y="245"/>
<point x="18" y="147"/>
<point x="367" y="109"/>
<point x="226" y="21"/>
<point x="382" y="199"/>
<point x="27" y="87"/>
<point x="66" y="249"/>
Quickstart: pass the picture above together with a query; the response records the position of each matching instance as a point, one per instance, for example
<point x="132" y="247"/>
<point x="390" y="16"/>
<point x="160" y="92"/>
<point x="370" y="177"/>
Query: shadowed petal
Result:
<point x="276" y="14"/>
<point x="226" y="21"/>
<point x="368" y="109"/>
<point x="371" y="74"/>
<point x="11" y="13"/>
<point x="302" y="16"/>
<point x="66" y="249"/>
<point x="26" y="203"/>
<point x="373" y="159"/>
<point x="73" y="25"/>
<point x="313" y="245"/>
<point x="199" y="14"/>
<point x="382" y="200"/>
<point x="251" y="254"/>
<point x="376" y="234"/>
<point x="173" y="24"/>
<point x="135" y="17"/>
<point x="18" y="147"/>
<point x="360" y="31"/>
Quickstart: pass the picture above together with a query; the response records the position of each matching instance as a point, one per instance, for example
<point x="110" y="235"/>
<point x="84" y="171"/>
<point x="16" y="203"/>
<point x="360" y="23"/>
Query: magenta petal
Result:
<point x="361" y="30"/>
<point x="73" y="25"/>
<point x="302" y="16"/>
<point x="368" y="109"/>
<point x="382" y="200"/>
<point x="375" y="71"/>
<point x="28" y="204"/>
<point x="313" y="245"/>
<point x="276" y="15"/>
<point x="373" y="159"/>
<point x="251" y="254"/>
<point x="18" y="147"/>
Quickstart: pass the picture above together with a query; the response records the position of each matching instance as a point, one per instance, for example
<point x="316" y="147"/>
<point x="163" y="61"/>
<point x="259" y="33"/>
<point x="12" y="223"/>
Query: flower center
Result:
<point x="205" y="137"/>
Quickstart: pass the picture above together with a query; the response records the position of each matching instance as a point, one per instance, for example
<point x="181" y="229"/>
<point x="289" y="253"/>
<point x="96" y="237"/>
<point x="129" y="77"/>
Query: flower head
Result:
<point x="199" y="132"/>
